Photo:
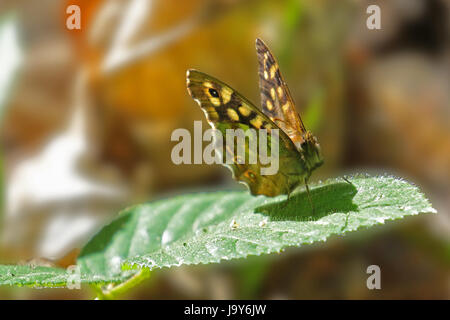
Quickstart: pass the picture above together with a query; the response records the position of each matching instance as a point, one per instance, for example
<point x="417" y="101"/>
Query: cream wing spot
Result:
<point x="207" y="84"/>
<point x="273" y="70"/>
<point x="256" y="122"/>
<point x="280" y="92"/>
<point x="272" y="93"/>
<point x="215" y="101"/>
<point x="226" y="95"/>
<point x="232" y="114"/>
<point x="266" y="75"/>
<point x="286" y="106"/>
<point x="269" y="105"/>
<point x="244" y="111"/>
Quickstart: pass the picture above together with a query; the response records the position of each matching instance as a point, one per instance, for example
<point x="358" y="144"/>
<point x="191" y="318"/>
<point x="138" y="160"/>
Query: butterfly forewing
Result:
<point x="276" y="101"/>
<point x="225" y="109"/>
<point x="224" y="105"/>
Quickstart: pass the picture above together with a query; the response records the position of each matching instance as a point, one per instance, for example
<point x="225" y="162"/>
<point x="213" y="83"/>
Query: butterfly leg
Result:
<point x="309" y="196"/>
<point x="288" y="198"/>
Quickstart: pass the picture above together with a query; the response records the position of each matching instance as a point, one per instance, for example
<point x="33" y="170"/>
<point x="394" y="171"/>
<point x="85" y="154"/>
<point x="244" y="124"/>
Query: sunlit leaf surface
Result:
<point x="211" y="227"/>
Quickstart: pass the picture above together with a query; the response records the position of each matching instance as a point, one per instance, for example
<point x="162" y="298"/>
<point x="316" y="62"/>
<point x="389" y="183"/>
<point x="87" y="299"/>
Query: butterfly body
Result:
<point x="298" y="150"/>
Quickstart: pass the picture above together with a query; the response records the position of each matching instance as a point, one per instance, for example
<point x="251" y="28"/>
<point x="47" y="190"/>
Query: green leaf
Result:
<point x="39" y="276"/>
<point x="106" y="251"/>
<point x="32" y="276"/>
<point x="210" y="227"/>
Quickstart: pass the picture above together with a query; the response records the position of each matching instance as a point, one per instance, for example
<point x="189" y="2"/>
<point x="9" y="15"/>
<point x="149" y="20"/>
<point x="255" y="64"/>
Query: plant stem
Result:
<point x="114" y="292"/>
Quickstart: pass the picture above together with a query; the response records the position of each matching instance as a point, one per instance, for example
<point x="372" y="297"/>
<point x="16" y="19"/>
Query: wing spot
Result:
<point x="273" y="70"/>
<point x="211" y="115"/>
<point x="272" y="93"/>
<point x="208" y="84"/>
<point x="213" y="95"/>
<point x="266" y="75"/>
<point x="232" y="114"/>
<point x="286" y="106"/>
<point x="226" y="94"/>
<point x="280" y="92"/>
<point x="269" y="105"/>
<point x="244" y="111"/>
<point x="256" y="122"/>
<point x="215" y="101"/>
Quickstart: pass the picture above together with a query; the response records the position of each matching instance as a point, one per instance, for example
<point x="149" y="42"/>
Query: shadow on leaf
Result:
<point x="328" y="199"/>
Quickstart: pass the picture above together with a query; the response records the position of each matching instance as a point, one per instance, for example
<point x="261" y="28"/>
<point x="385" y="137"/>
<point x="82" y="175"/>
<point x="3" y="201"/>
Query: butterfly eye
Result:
<point x="213" y="93"/>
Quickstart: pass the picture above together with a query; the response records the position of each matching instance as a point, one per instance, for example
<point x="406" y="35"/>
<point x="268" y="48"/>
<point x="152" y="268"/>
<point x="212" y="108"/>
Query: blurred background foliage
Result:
<point x="87" y="126"/>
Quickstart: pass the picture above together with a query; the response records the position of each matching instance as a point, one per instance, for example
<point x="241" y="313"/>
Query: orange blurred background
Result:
<point x="88" y="115"/>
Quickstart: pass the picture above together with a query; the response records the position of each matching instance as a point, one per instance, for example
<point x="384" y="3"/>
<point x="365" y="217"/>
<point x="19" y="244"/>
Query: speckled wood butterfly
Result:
<point x="225" y="108"/>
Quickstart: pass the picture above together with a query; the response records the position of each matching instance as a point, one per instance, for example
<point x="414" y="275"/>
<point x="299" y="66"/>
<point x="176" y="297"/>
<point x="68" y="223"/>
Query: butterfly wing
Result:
<point x="276" y="101"/>
<point x="225" y="109"/>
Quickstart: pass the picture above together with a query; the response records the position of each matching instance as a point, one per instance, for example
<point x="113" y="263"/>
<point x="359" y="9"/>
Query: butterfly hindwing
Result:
<point x="225" y="109"/>
<point x="276" y="100"/>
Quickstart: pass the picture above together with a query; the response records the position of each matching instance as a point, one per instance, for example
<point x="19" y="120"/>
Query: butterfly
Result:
<point x="299" y="151"/>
